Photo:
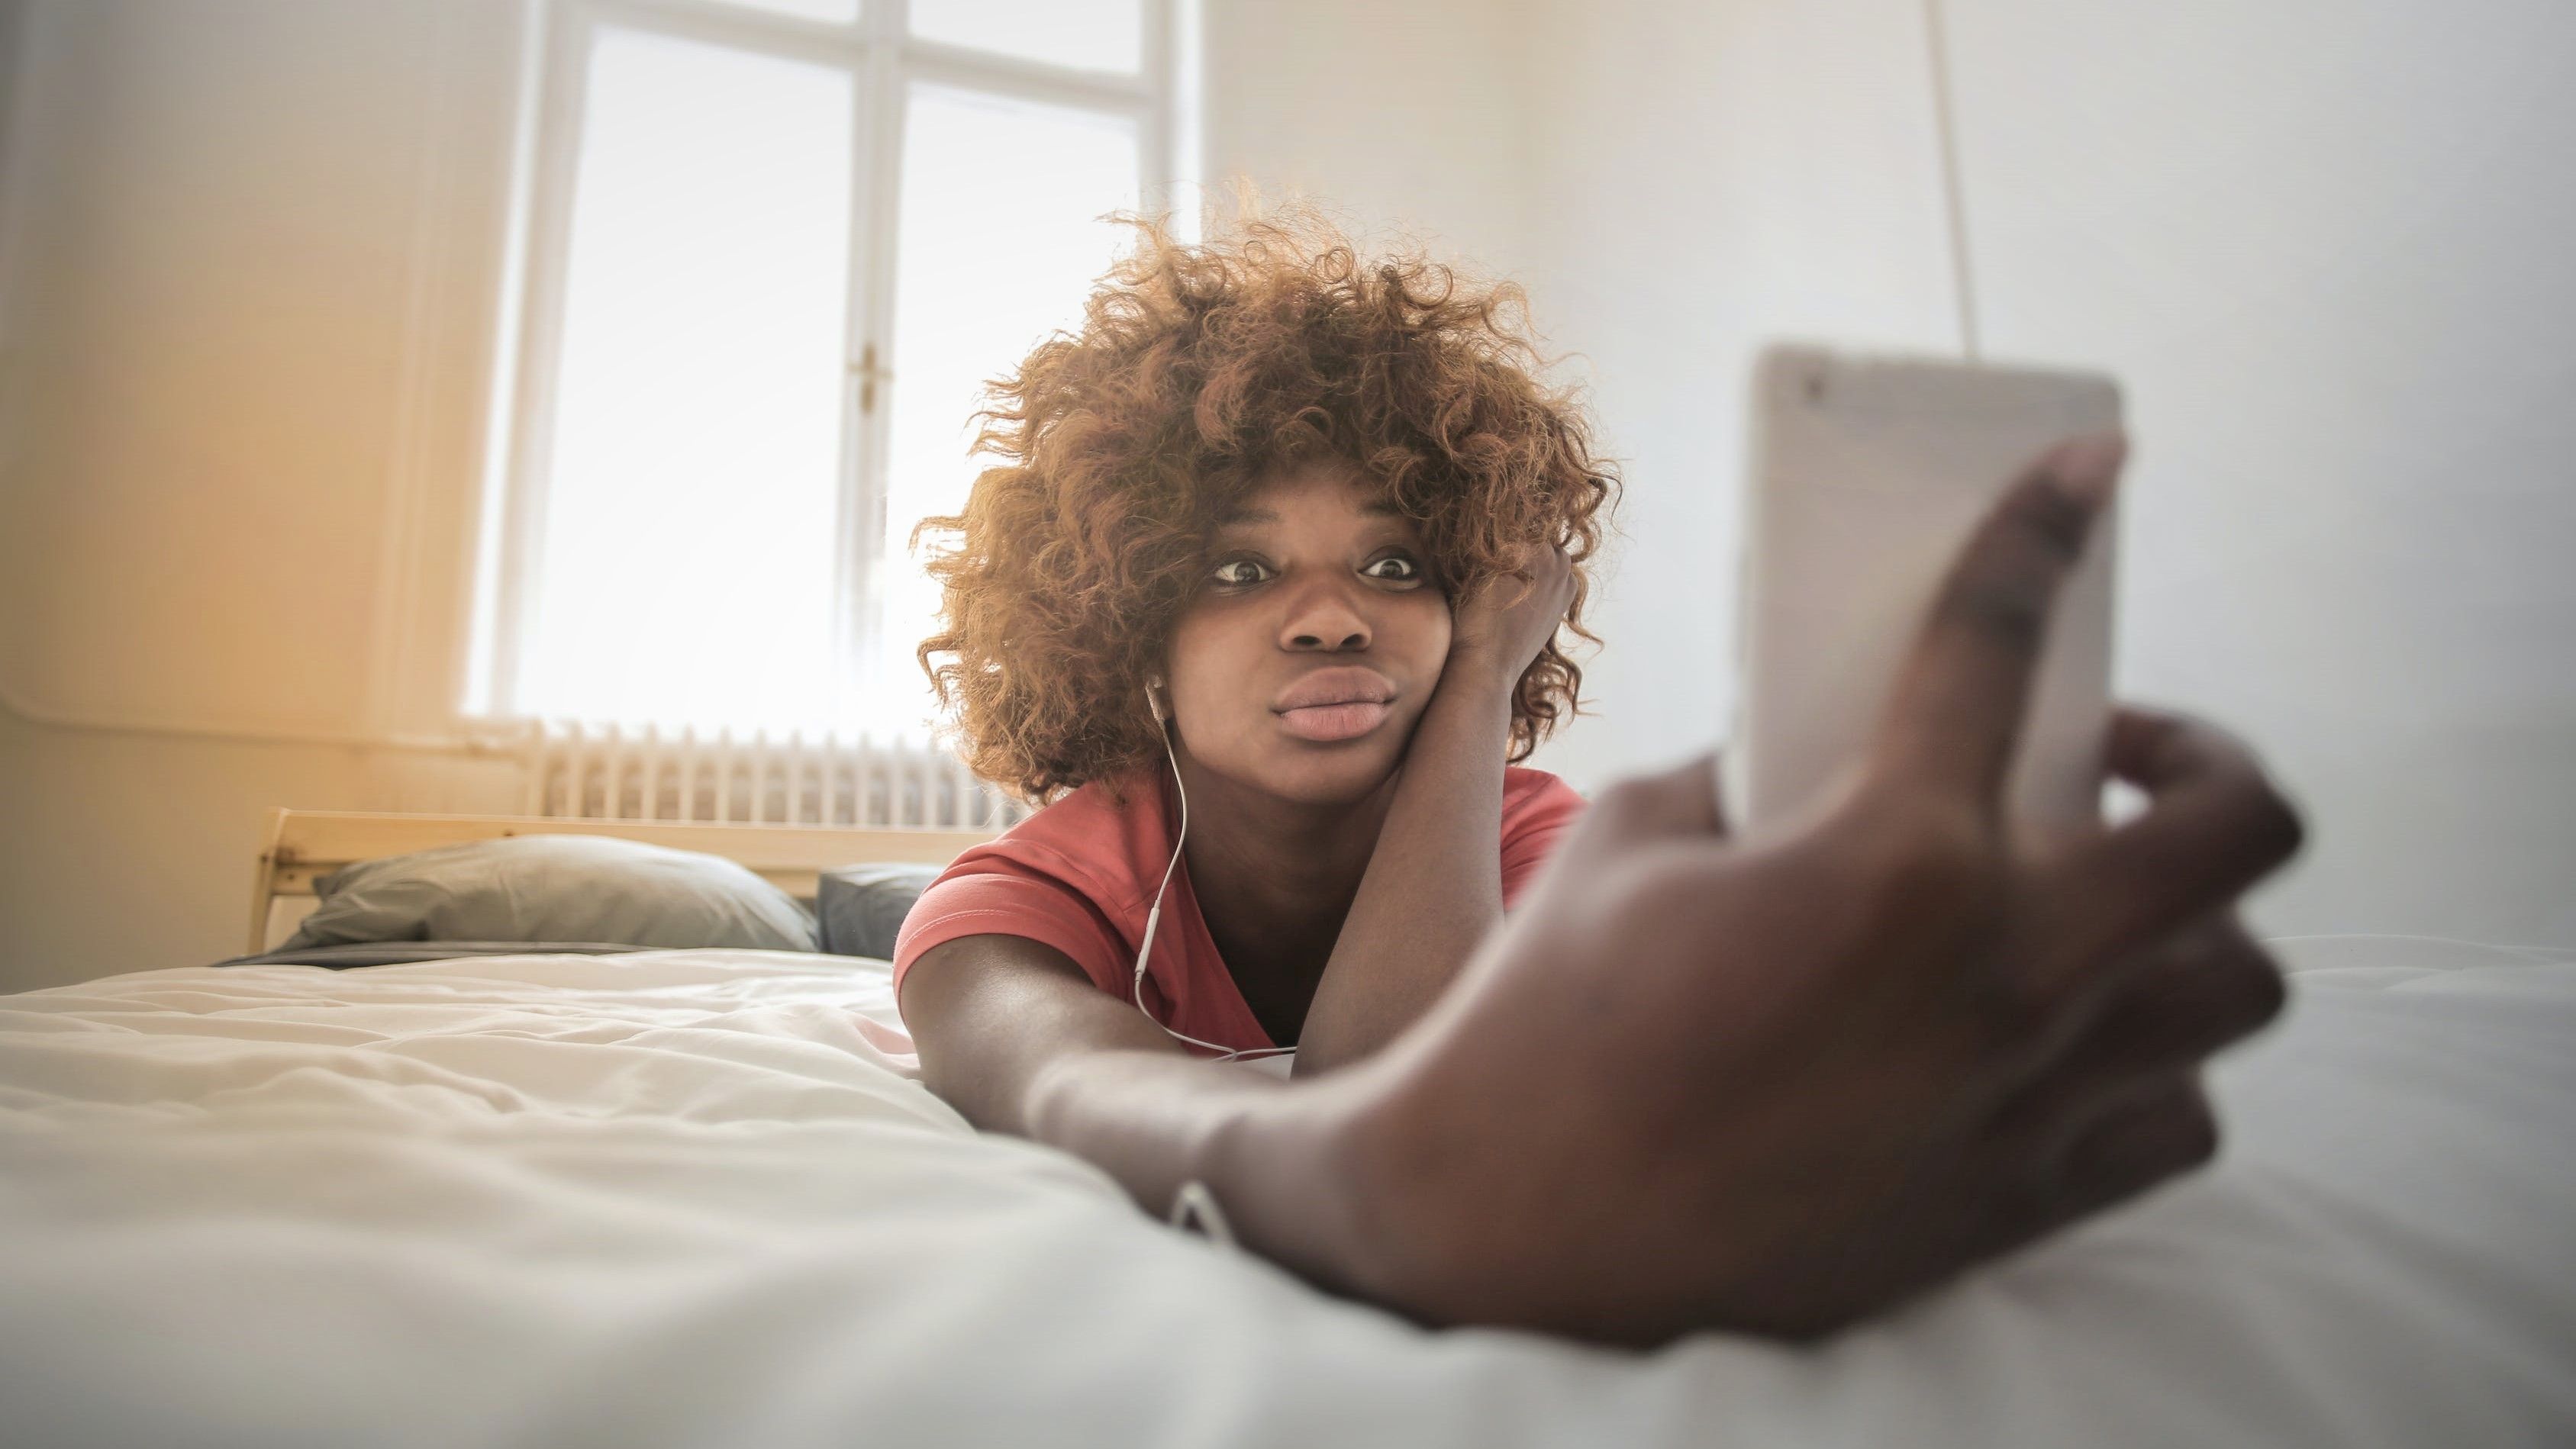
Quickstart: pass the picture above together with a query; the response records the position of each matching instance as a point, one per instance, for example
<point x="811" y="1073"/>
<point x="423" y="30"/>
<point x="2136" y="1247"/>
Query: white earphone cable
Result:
<point x="1194" y="1203"/>
<point x="1154" y="916"/>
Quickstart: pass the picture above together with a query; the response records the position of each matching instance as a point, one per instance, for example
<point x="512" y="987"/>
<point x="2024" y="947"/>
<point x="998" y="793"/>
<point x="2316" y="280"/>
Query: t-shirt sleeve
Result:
<point x="997" y="896"/>
<point x="1531" y="830"/>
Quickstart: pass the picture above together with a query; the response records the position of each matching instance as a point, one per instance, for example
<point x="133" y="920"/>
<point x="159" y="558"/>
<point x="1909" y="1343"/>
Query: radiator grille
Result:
<point x="604" y="772"/>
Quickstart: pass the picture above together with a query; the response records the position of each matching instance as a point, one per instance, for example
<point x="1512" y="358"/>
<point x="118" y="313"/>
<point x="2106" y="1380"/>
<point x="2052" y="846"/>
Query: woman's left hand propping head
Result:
<point x="1503" y="625"/>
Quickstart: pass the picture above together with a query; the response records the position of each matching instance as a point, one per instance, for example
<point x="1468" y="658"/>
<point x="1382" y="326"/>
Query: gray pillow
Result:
<point x="556" y="888"/>
<point x="862" y="906"/>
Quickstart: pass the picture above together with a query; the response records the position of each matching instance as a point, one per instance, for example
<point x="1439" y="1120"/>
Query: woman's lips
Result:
<point x="1336" y="702"/>
<point x="1328" y="722"/>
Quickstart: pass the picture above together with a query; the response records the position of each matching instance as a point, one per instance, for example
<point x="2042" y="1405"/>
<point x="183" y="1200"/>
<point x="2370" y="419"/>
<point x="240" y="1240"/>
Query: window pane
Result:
<point x="1000" y="245"/>
<point x="1083" y="34"/>
<point x="838" y="11"/>
<point x="685" y="567"/>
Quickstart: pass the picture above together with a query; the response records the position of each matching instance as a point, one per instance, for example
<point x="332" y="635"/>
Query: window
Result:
<point x="772" y="249"/>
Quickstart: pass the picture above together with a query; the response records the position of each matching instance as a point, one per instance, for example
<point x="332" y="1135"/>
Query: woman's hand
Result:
<point x="1496" y="632"/>
<point x="1779" y="1087"/>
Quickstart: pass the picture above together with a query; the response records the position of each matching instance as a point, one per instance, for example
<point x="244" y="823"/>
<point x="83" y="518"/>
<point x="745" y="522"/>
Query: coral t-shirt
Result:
<point x="1080" y="876"/>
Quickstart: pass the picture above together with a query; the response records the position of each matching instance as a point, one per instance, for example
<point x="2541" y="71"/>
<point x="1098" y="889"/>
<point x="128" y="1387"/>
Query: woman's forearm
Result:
<point x="1434" y="886"/>
<point x="1272" y="1154"/>
<point x="1015" y="1037"/>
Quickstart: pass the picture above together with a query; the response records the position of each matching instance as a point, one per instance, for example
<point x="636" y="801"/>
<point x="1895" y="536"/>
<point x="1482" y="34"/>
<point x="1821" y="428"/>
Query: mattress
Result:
<point x="698" y="1197"/>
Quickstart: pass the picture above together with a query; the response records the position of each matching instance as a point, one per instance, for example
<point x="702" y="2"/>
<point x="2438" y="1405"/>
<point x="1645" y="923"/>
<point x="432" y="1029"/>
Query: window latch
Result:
<point x="866" y="375"/>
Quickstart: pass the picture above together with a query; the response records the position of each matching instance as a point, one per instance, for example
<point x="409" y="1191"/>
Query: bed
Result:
<point x="700" y="1197"/>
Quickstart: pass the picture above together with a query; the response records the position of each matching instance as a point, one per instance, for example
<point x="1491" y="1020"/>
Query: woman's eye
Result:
<point x="1238" y="571"/>
<point x="1394" y="566"/>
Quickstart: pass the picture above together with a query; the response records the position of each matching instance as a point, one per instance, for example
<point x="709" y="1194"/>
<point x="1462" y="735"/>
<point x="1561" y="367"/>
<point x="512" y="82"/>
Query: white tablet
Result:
<point x="1867" y="475"/>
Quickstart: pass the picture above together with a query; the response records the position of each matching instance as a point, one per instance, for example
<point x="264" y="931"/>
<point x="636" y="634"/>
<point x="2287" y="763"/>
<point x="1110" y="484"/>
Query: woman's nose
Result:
<point x="1324" y="617"/>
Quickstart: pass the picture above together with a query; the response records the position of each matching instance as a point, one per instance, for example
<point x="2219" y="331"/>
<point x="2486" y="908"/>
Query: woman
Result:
<point x="1263" y="597"/>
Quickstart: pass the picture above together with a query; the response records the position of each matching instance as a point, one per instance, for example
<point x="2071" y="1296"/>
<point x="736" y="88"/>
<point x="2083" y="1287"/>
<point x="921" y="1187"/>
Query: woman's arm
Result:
<point x="1014" y="1036"/>
<point x="1434" y="886"/>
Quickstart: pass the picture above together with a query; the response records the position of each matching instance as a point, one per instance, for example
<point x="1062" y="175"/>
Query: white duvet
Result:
<point x="693" y="1197"/>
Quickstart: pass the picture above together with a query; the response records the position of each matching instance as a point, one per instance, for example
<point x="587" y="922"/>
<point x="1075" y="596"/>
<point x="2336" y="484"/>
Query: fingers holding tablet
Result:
<point x="1954" y="717"/>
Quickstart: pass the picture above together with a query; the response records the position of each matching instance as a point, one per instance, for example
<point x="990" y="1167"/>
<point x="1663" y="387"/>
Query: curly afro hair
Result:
<point x="1199" y="373"/>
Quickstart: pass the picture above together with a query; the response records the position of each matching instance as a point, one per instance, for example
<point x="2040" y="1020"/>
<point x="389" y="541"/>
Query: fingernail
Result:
<point x="2089" y="466"/>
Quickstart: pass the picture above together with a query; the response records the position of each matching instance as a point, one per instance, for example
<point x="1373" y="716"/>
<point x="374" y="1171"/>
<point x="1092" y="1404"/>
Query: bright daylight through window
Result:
<point x="773" y="249"/>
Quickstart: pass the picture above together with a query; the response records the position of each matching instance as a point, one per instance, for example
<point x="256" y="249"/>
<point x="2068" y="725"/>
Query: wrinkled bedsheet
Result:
<point x="695" y="1197"/>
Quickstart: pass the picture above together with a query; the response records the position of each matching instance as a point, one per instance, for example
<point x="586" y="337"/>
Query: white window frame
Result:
<point x="884" y="60"/>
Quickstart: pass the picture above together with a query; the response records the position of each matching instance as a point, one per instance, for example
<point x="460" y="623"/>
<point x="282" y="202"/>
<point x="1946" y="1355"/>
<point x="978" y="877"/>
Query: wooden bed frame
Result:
<point x="300" y="847"/>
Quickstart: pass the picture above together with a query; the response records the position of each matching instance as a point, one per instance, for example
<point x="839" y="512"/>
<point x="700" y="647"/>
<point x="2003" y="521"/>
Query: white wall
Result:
<point x="2322" y="243"/>
<point x="2325" y="243"/>
<point x="250" y="251"/>
<point x="1407" y="117"/>
<point x="247" y="303"/>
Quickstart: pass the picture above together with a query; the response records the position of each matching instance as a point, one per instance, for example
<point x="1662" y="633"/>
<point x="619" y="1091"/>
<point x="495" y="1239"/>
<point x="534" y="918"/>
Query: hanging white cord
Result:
<point x="1193" y="1201"/>
<point x="1154" y="919"/>
<point x="1953" y="191"/>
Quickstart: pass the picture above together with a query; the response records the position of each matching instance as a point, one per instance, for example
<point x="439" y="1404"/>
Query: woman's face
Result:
<point x="1304" y="661"/>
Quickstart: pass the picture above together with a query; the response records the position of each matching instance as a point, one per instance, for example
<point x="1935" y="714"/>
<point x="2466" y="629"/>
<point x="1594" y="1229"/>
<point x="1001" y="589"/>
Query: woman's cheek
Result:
<point x="1436" y="628"/>
<point x="1213" y="694"/>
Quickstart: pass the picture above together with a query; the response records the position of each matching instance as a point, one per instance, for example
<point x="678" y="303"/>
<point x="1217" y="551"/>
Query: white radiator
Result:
<point x="598" y="772"/>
